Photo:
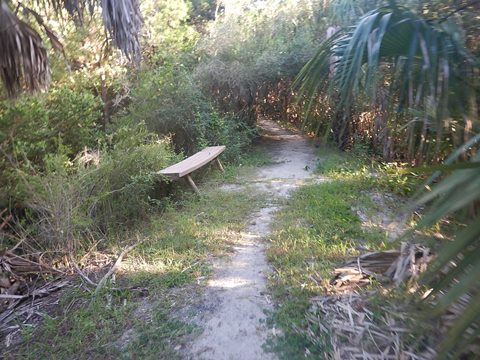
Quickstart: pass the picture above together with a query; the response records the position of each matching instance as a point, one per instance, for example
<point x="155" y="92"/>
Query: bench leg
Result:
<point x="192" y="184"/>
<point x="220" y="166"/>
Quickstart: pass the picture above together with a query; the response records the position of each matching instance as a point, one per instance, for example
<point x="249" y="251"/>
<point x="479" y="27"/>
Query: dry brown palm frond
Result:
<point x="52" y="36"/>
<point x="75" y="8"/>
<point x="23" y="58"/>
<point x="123" y="21"/>
<point x="355" y="331"/>
<point x="121" y="18"/>
<point x="392" y="266"/>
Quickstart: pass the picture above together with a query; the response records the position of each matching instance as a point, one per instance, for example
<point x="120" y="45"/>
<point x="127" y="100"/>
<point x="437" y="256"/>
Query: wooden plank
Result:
<point x="193" y="162"/>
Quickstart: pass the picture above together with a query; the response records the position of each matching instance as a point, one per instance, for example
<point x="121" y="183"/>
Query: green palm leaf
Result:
<point x="426" y="66"/>
<point x="427" y="62"/>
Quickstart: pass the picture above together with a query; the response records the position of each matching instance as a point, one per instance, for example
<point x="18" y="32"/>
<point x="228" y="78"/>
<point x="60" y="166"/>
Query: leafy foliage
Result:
<point x="33" y="128"/>
<point x="432" y="80"/>
<point x="24" y="63"/>
<point x="252" y="53"/>
<point x="172" y="104"/>
<point x="423" y="64"/>
<point x="73" y="201"/>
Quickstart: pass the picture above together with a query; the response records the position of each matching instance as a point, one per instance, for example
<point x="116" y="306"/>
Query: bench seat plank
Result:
<point x="193" y="162"/>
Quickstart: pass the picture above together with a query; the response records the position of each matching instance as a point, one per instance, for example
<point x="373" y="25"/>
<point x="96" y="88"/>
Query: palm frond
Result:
<point x="429" y="73"/>
<point x="455" y="273"/>
<point x="23" y="58"/>
<point x="52" y="36"/>
<point x="121" y="18"/>
<point x="123" y="21"/>
<point x="425" y="62"/>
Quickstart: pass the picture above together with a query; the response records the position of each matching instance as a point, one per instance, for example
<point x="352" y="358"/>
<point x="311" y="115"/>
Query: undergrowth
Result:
<point x="394" y="177"/>
<point x="132" y="316"/>
<point x="315" y="231"/>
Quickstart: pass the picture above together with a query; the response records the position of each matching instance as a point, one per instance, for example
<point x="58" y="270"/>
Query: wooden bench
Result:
<point x="186" y="167"/>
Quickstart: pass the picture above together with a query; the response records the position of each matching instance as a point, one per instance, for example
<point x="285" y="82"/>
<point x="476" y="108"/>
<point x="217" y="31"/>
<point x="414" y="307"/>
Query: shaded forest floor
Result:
<point x="246" y="271"/>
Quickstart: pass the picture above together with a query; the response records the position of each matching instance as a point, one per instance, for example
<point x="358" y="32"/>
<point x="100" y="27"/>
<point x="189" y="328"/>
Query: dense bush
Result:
<point x="73" y="118"/>
<point x="253" y="52"/>
<point x="33" y="127"/>
<point x="73" y="202"/>
<point x="125" y="177"/>
<point x="80" y="159"/>
<point x="226" y="130"/>
<point x="168" y="101"/>
<point x="171" y="103"/>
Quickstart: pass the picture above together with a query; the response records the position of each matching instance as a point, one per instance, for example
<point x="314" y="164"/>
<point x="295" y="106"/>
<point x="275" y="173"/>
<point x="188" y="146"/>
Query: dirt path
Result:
<point x="237" y="295"/>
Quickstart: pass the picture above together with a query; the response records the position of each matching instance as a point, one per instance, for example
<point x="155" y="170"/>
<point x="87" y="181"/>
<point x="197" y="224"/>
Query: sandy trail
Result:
<point x="237" y="294"/>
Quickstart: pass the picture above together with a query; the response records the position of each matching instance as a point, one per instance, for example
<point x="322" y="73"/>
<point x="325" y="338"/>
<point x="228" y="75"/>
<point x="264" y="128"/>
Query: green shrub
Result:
<point x="72" y="201"/>
<point x="35" y="127"/>
<point x="125" y="177"/>
<point x="73" y="118"/>
<point x="213" y="129"/>
<point x="168" y="101"/>
<point x="172" y="104"/>
<point x="24" y="129"/>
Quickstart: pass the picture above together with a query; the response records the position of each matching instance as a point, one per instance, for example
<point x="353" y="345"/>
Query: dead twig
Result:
<point x="104" y="279"/>
<point x="26" y="304"/>
<point x="81" y="273"/>
<point x="9" y="297"/>
<point x="6" y="220"/>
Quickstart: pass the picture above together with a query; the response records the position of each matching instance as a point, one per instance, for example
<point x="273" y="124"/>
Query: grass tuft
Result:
<point x="315" y="231"/>
<point x="176" y="253"/>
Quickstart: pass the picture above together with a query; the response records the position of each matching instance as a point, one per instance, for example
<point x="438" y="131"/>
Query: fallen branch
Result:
<point x="25" y="304"/>
<point x="104" y="279"/>
<point x="17" y="264"/>
<point x="80" y="272"/>
<point x="8" y="296"/>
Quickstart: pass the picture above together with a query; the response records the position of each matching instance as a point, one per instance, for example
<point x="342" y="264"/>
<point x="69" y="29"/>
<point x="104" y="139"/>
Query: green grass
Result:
<point x="359" y="164"/>
<point x="180" y="240"/>
<point x="315" y="231"/>
<point x="154" y="340"/>
<point x="175" y="253"/>
<point x="92" y="329"/>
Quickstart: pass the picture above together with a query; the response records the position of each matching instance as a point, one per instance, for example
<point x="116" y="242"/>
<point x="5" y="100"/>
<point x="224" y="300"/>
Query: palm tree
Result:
<point x="432" y="80"/>
<point x="23" y="58"/>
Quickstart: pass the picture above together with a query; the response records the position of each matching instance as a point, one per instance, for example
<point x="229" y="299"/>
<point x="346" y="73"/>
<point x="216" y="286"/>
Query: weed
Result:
<point x="391" y="177"/>
<point x="154" y="338"/>
<point x="179" y="243"/>
<point x="315" y="231"/>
